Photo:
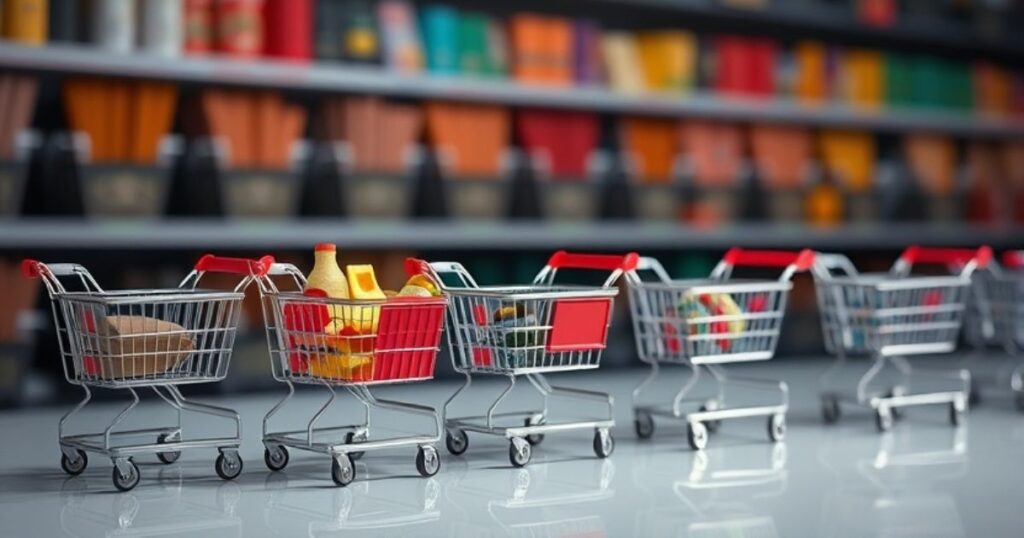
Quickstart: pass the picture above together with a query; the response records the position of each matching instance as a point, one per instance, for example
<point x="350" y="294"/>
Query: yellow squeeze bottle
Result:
<point x="326" y="274"/>
<point x="363" y="286"/>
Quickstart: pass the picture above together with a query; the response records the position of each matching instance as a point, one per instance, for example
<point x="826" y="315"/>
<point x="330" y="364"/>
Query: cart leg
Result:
<point x="311" y="425"/>
<point x="868" y="377"/>
<point x="825" y="384"/>
<point x="364" y="394"/>
<point x="677" y="401"/>
<point x="494" y="406"/>
<point x="580" y="394"/>
<point x="277" y="407"/>
<point x="207" y="409"/>
<point x="64" y="419"/>
<point x="635" y="398"/>
<point x="448" y="402"/>
<point x="118" y="419"/>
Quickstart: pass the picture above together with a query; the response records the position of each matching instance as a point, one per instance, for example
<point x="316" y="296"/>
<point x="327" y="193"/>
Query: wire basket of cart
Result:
<point x="157" y="339"/>
<point x="891" y="316"/>
<point x="531" y="331"/>
<point x="351" y="344"/>
<point x="995" y="319"/>
<point x="704" y="324"/>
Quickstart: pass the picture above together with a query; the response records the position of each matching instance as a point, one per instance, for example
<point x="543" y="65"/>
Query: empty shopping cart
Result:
<point x="705" y="323"/>
<point x="353" y="344"/>
<point x="531" y="331"/>
<point x="995" y="319"/>
<point x="157" y="339"/>
<point x="892" y="316"/>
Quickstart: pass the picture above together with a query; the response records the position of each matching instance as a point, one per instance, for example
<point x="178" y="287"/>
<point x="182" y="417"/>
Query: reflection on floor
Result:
<point x="924" y="478"/>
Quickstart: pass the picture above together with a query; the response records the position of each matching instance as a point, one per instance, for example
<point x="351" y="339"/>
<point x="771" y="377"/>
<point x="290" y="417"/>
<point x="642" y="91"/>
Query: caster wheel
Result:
<point x="457" y="442"/>
<point x="777" y="427"/>
<point x="604" y="444"/>
<point x="956" y="414"/>
<point x="519" y="452"/>
<point x="351" y="438"/>
<point x="883" y="419"/>
<point x="168" y="457"/>
<point x="276" y="457"/>
<point x="830" y="411"/>
<point x="534" y="438"/>
<point x="343" y="471"/>
<point x="697" y="435"/>
<point x="427" y="461"/>
<point x="711" y="425"/>
<point x="643" y="423"/>
<point x="76" y="467"/>
<point x="128" y="481"/>
<point x="228" y="465"/>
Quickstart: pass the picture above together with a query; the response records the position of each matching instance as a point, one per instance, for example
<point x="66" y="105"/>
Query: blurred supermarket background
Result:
<point x="136" y="135"/>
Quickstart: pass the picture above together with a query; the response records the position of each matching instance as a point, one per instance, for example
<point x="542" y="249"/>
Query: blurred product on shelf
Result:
<point x="744" y="66"/>
<point x="238" y="27"/>
<point x="782" y="159"/>
<point x="440" y="37"/>
<point x="403" y="50"/>
<point x="19" y="296"/>
<point x="669" y="60"/>
<point x="259" y="128"/>
<point x="288" y="33"/>
<point x="113" y="25"/>
<point x="380" y="134"/>
<point x="848" y="161"/>
<point x="64" y="23"/>
<point x="559" y="142"/>
<point x="622" y="62"/>
<point x="472" y="139"/>
<point x="588" y="69"/>
<point x="982" y="183"/>
<point x="542" y="49"/>
<point x="714" y="152"/>
<point x="861" y="79"/>
<point x="1012" y="162"/>
<point x="25" y="21"/>
<point x="878" y="13"/>
<point x="198" y="34"/>
<point x="931" y="163"/>
<point x="17" y="104"/>
<point x="160" y="27"/>
<point x="652" y="144"/>
<point x="811" y="85"/>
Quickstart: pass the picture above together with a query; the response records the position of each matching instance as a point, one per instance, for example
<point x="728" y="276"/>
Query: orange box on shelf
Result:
<point x="653" y="144"/>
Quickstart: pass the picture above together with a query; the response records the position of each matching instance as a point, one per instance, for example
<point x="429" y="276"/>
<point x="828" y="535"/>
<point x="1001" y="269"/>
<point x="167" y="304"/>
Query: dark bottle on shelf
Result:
<point x="616" y="191"/>
<point x="752" y="195"/>
<point x="194" y="190"/>
<point x="429" y="189"/>
<point x="524" y="195"/>
<point x="323" y="194"/>
<point x="900" y="197"/>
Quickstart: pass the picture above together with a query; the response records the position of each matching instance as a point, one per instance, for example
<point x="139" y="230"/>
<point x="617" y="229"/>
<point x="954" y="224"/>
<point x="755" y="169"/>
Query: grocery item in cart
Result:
<point x="122" y="347"/>
<point x="326" y="274"/>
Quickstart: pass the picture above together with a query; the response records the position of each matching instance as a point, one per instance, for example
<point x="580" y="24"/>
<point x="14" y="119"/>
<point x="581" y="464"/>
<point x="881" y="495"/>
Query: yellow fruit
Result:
<point x="425" y="283"/>
<point x="341" y="366"/>
<point x="362" y="286"/>
<point x="415" y="291"/>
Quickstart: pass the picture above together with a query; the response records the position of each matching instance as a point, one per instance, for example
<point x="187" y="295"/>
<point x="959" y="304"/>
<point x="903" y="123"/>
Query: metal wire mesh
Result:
<point x="890" y="315"/>
<point x="147" y="337"/>
<point x="528" y="329"/>
<point x="997" y="298"/>
<point x="319" y="340"/>
<point x="707" y="320"/>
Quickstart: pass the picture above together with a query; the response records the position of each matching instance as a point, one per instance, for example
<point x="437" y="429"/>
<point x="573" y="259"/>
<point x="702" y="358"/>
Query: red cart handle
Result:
<point x="30" y="268"/>
<point x="946" y="256"/>
<point x="738" y="257"/>
<point x="238" y="266"/>
<point x="1014" y="259"/>
<point x="602" y="262"/>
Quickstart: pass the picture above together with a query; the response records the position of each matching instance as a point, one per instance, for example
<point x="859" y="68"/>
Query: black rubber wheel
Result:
<point x="643" y="423"/>
<point x="711" y="425"/>
<point x="126" y="483"/>
<point x="343" y="474"/>
<point x="830" y="411"/>
<point x="883" y="420"/>
<point x="519" y="453"/>
<point x="697" y="435"/>
<point x="350" y="438"/>
<point x="533" y="438"/>
<point x="228" y="465"/>
<point x="604" y="445"/>
<point x="457" y="442"/>
<point x="427" y="461"/>
<point x="167" y="457"/>
<point x="276" y="458"/>
<point x="74" y="468"/>
<point x="777" y="427"/>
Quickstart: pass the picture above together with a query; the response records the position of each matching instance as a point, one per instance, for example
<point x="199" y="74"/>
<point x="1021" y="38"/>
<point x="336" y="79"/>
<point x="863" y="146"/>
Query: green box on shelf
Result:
<point x="124" y="189"/>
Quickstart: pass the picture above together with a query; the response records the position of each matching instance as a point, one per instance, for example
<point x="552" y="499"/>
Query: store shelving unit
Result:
<point x="326" y="77"/>
<point x="446" y="235"/>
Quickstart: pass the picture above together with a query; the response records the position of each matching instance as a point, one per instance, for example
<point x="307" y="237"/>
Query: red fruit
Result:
<point x="758" y="303"/>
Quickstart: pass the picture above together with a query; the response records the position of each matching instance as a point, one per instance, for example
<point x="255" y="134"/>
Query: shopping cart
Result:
<point x="530" y="331"/>
<point x="995" y="318"/>
<point x="705" y="323"/>
<point x="352" y="344"/>
<point x="157" y="339"/>
<point x="891" y="316"/>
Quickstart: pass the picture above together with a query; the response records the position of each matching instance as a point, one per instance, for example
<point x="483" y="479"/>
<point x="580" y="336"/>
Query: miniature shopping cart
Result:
<point x="705" y="323"/>
<point x="530" y="331"/>
<point x="995" y="318"/>
<point x="891" y="316"/>
<point x="351" y="344"/>
<point x="155" y="339"/>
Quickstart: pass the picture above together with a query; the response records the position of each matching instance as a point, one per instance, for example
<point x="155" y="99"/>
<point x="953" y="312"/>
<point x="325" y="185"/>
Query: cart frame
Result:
<point x="540" y="295"/>
<point x="890" y="342"/>
<point x="652" y="330"/>
<point x="117" y="445"/>
<point x="356" y="437"/>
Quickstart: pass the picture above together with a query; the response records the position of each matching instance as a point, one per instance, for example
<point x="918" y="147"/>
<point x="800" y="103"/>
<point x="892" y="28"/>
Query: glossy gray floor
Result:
<point x="926" y="478"/>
